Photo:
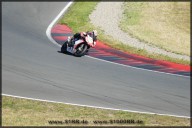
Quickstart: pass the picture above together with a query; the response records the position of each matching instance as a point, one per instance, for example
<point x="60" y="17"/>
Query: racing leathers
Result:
<point x="82" y="35"/>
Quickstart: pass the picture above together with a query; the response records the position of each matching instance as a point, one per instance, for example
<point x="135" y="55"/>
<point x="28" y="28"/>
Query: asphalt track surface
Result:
<point x="33" y="67"/>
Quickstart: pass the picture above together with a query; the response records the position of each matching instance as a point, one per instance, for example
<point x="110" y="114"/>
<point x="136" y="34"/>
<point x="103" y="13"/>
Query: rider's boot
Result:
<point x="70" y="43"/>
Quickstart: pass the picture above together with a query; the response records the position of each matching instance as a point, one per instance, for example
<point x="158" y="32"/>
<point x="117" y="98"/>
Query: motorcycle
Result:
<point x="80" y="47"/>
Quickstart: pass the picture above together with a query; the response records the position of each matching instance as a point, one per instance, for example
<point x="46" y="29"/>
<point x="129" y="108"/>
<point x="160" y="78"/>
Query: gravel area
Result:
<point x="107" y="16"/>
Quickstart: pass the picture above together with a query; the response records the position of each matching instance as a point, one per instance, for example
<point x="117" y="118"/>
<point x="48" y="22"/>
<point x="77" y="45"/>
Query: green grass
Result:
<point x="80" y="22"/>
<point x="22" y="112"/>
<point x="78" y="16"/>
<point x="163" y="24"/>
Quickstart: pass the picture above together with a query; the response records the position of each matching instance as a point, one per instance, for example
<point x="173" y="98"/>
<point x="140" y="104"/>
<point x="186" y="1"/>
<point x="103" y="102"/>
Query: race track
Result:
<point x="33" y="67"/>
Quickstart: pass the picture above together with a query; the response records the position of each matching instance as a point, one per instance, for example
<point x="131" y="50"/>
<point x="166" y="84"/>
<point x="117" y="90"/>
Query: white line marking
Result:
<point x="92" y="106"/>
<point x="48" y="32"/>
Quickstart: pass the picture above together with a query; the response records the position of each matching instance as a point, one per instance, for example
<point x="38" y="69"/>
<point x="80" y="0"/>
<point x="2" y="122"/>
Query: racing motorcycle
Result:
<point x="80" y="47"/>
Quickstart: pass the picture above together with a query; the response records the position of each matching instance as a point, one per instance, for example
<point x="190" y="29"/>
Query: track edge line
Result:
<point x="48" y="31"/>
<point x="49" y="101"/>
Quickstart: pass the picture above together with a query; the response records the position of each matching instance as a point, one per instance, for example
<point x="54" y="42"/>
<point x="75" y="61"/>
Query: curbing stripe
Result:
<point x="103" y="47"/>
<point x="104" y="50"/>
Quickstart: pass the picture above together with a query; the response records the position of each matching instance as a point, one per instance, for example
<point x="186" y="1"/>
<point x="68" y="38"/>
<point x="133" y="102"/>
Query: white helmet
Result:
<point x="95" y="32"/>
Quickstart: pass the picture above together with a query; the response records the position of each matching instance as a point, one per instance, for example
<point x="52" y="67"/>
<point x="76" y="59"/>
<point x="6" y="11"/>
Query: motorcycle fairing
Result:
<point x="89" y="40"/>
<point x="73" y="49"/>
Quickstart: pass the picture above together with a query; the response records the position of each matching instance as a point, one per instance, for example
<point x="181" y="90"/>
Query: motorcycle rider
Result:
<point x="82" y="35"/>
<point x="93" y="35"/>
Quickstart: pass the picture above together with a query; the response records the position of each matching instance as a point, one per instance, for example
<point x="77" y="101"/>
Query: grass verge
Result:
<point x="77" y="18"/>
<point x="163" y="24"/>
<point x="23" y="112"/>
